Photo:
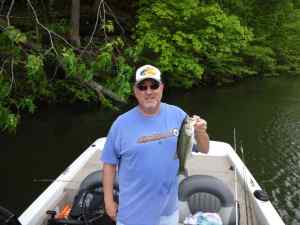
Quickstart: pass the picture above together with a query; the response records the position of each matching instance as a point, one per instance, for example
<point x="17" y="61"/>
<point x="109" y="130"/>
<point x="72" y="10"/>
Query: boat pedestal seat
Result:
<point x="206" y="194"/>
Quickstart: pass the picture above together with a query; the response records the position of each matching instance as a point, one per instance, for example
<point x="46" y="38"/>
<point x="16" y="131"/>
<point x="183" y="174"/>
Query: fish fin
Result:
<point x="175" y="156"/>
<point x="183" y="173"/>
<point x="181" y="177"/>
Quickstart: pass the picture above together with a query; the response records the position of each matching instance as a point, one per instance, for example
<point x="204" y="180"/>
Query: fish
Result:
<point x="185" y="143"/>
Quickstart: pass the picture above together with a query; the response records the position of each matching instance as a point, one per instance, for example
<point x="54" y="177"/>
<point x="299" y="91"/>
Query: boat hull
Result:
<point x="221" y="162"/>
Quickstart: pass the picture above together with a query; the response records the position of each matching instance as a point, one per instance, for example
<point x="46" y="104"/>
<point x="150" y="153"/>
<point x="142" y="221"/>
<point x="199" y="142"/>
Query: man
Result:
<point x="141" y="144"/>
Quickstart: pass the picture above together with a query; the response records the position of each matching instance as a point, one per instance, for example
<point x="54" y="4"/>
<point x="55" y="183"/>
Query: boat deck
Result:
<point x="220" y="163"/>
<point x="223" y="169"/>
<point x="198" y="164"/>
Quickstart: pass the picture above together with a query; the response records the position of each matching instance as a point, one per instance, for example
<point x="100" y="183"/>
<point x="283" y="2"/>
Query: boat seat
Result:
<point x="207" y="194"/>
<point x="94" y="181"/>
<point x="196" y="193"/>
<point x="91" y="194"/>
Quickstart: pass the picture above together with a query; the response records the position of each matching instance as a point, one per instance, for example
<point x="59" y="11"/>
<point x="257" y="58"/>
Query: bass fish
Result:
<point x="185" y="143"/>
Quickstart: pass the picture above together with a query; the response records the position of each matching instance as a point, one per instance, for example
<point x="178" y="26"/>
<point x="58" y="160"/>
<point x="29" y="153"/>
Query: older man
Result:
<point x="141" y="144"/>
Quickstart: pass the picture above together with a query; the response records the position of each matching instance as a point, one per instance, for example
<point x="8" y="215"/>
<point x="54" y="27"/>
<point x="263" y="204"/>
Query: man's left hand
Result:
<point x="200" y="125"/>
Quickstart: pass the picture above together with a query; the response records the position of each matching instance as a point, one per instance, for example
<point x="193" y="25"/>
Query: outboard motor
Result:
<point x="7" y="217"/>
<point x="88" y="205"/>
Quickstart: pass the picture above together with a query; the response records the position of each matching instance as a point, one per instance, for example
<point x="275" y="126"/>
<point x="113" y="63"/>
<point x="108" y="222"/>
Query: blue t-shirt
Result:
<point x="144" y="148"/>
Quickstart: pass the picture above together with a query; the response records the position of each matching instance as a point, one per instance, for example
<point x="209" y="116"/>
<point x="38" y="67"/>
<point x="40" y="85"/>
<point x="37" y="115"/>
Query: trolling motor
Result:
<point x="7" y="217"/>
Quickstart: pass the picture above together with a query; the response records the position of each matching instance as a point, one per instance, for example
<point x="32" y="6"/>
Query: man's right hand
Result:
<point x="109" y="173"/>
<point x="111" y="208"/>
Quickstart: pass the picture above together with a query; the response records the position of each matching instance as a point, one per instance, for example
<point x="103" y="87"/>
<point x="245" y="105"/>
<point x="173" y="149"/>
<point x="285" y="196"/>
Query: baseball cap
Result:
<point x="147" y="72"/>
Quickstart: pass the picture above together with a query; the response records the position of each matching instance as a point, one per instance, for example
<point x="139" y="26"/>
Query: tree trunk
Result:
<point x="75" y="22"/>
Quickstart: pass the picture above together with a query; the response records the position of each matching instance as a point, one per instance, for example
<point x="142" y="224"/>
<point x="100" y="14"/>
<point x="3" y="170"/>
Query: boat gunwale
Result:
<point x="52" y="194"/>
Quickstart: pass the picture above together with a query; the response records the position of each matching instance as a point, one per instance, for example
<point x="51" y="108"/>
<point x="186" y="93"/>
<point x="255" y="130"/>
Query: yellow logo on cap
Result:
<point x="148" y="72"/>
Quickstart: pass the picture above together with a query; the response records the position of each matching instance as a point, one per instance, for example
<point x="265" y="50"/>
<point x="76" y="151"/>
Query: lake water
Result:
<point x="264" y="112"/>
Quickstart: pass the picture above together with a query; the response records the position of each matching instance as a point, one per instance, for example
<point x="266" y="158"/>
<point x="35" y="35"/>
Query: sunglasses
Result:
<point x="153" y="86"/>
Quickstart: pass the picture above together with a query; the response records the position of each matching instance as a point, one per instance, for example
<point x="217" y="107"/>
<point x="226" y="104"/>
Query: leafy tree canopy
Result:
<point x="50" y="56"/>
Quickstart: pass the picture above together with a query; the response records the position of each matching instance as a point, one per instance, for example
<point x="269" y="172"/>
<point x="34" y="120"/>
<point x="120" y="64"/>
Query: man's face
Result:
<point x="148" y="94"/>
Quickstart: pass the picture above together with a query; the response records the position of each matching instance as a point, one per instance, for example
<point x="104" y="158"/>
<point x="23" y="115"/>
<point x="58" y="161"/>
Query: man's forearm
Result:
<point x="201" y="135"/>
<point x="202" y="140"/>
<point x="109" y="173"/>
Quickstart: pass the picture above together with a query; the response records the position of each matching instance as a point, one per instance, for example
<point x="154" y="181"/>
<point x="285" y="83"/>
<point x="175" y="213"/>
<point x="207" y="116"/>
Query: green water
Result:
<point x="265" y="114"/>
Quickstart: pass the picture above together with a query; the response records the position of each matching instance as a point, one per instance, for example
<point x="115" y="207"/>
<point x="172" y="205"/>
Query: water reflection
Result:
<point x="282" y="138"/>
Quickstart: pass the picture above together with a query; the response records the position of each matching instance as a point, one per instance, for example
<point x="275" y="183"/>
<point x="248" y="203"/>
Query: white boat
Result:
<point x="220" y="166"/>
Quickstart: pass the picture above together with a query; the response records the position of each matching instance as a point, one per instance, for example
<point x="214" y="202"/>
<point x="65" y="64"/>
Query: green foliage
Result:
<point x="261" y="60"/>
<point x="108" y="26"/>
<point x="72" y="91"/>
<point x="120" y="84"/>
<point x="287" y="45"/>
<point x="61" y="26"/>
<point x="36" y="78"/>
<point x="34" y="67"/>
<point x="103" y="60"/>
<point x="191" y="42"/>
<point x="10" y="41"/>
<point x="185" y="37"/>
<point x="111" y="70"/>
<point x="4" y="87"/>
<point x="70" y="62"/>
<point x="15" y="35"/>
<point x="108" y="104"/>
<point x="18" y="92"/>
<point x="27" y="104"/>
<point x="8" y="120"/>
<point x="276" y="26"/>
<point x="75" y="66"/>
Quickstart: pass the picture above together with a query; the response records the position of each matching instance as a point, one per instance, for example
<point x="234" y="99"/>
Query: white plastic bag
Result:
<point x="201" y="218"/>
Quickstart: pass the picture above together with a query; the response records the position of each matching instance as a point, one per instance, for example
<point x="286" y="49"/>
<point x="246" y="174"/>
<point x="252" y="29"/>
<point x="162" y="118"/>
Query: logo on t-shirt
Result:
<point x="158" y="136"/>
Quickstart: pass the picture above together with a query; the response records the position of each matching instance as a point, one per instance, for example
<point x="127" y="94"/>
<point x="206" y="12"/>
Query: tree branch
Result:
<point x="100" y="90"/>
<point x="103" y="19"/>
<point x="48" y="31"/>
<point x="94" y="30"/>
<point x="9" y="12"/>
<point x="116" y="19"/>
<point x="12" y="74"/>
<point x="75" y="22"/>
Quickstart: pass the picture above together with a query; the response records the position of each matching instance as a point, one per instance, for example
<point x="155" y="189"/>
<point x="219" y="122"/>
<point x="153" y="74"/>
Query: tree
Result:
<point x="75" y="22"/>
<point x="189" y="40"/>
<point x="85" y="72"/>
<point x="46" y="56"/>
